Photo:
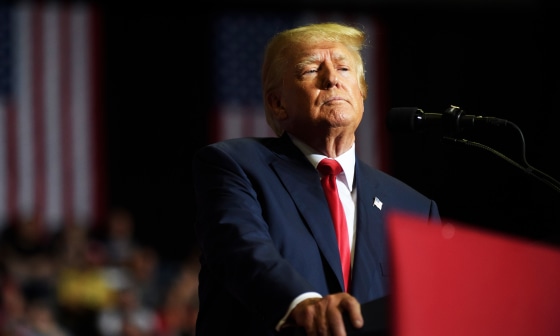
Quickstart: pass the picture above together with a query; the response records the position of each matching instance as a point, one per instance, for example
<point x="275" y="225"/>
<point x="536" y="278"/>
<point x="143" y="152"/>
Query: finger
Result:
<point x="322" y="322"/>
<point x="333" y="313"/>
<point x="335" y="321"/>
<point x="354" y="311"/>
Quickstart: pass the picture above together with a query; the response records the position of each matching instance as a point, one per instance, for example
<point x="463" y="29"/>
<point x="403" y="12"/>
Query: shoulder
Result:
<point x="248" y="148"/>
<point x="394" y="193"/>
<point x="382" y="180"/>
<point x="236" y="145"/>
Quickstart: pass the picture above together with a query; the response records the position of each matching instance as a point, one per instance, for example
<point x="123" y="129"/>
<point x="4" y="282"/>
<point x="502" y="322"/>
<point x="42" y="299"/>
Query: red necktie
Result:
<point x="330" y="169"/>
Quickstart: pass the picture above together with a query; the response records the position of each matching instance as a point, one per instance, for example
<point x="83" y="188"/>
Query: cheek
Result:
<point x="360" y="103"/>
<point x="361" y="108"/>
<point x="302" y="96"/>
<point x="359" y="94"/>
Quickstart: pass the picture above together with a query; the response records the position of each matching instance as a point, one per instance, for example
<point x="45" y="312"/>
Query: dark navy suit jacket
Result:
<point x="266" y="234"/>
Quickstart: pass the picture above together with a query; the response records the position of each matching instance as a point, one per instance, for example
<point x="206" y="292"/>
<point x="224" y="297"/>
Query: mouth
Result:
<point x="334" y="100"/>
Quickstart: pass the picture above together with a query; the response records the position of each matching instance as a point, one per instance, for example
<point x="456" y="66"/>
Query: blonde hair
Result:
<point x="279" y="47"/>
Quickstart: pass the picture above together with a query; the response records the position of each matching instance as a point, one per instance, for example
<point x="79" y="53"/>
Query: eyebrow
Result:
<point x="315" y="58"/>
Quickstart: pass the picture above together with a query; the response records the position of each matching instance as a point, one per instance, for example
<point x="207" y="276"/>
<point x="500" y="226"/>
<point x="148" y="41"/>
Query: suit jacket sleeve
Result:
<point x="244" y="218"/>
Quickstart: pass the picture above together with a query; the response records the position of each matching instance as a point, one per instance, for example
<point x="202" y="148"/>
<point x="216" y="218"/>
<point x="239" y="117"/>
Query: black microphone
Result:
<point x="451" y="122"/>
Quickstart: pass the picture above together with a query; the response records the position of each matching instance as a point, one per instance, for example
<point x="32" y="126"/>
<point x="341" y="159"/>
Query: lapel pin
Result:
<point x="377" y="203"/>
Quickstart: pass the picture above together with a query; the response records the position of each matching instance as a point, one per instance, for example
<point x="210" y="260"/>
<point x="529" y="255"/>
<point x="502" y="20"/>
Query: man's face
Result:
<point x="321" y="90"/>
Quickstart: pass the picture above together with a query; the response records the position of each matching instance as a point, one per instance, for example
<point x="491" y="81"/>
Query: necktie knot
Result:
<point x="329" y="167"/>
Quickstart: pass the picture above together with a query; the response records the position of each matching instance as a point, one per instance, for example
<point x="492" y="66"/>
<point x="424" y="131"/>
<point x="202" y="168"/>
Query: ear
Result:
<point x="274" y="103"/>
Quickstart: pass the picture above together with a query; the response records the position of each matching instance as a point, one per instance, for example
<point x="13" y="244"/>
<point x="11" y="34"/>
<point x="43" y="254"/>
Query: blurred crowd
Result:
<point x="88" y="281"/>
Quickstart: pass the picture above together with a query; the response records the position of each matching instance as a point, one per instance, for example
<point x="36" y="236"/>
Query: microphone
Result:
<point x="452" y="121"/>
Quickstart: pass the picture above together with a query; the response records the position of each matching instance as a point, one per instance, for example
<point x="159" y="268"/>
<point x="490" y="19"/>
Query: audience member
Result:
<point x="12" y="308"/>
<point x="179" y="310"/>
<point x="118" y="236"/>
<point x="41" y="320"/>
<point x="148" y="274"/>
<point x="26" y="252"/>
<point x="127" y="316"/>
<point x="84" y="286"/>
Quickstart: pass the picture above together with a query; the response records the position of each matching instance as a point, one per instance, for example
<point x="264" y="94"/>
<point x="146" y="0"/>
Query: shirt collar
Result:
<point x="347" y="160"/>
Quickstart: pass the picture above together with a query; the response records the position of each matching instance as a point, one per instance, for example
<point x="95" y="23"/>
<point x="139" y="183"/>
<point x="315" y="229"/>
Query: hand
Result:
<point x="323" y="316"/>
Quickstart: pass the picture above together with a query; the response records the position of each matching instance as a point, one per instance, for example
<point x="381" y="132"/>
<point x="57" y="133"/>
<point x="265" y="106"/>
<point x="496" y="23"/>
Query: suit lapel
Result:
<point x="295" y="172"/>
<point x="370" y="238"/>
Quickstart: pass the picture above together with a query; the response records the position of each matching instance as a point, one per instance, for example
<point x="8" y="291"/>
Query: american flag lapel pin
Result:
<point x="377" y="203"/>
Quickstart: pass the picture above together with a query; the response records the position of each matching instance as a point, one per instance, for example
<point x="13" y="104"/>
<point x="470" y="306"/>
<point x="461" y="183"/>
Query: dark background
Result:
<point x="495" y="59"/>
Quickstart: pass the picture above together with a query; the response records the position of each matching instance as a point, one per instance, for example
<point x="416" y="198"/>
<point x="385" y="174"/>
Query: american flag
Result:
<point x="49" y="159"/>
<point x="238" y="46"/>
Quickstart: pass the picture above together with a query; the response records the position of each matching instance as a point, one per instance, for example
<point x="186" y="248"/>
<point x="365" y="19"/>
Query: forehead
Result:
<point x="320" y="51"/>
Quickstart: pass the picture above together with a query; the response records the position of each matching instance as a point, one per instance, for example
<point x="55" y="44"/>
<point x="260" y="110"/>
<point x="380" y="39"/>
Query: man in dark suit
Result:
<point x="269" y="253"/>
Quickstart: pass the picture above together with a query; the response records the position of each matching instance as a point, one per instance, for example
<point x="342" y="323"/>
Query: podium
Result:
<point x="458" y="280"/>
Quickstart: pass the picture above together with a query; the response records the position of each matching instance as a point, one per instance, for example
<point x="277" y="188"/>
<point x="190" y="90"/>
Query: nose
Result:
<point x="330" y="82"/>
<point x="330" y="78"/>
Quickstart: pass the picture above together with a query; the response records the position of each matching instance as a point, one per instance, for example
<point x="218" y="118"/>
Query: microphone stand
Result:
<point x="524" y="166"/>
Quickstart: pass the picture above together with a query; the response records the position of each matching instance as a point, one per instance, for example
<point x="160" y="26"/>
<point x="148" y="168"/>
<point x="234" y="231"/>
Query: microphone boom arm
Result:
<point x="525" y="166"/>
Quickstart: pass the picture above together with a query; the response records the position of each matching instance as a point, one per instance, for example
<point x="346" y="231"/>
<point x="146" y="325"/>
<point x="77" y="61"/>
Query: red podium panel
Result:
<point x="458" y="280"/>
